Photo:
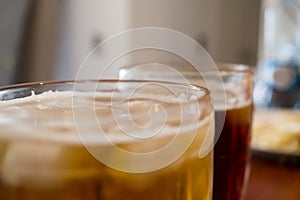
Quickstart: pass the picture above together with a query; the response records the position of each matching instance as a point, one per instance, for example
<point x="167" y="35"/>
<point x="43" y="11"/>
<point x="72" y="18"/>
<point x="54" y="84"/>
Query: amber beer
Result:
<point x="41" y="156"/>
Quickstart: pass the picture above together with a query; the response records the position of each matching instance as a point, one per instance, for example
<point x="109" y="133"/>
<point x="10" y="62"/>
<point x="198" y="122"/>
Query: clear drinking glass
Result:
<point x="232" y="148"/>
<point x="233" y="117"/>
<point x="105" y="139"/>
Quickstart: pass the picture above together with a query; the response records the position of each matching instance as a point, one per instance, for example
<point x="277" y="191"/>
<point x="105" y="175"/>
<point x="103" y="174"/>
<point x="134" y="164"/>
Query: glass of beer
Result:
<point x="233" y="117"/>
<point x="105" y="139"/>
<point x="232" y="148"/>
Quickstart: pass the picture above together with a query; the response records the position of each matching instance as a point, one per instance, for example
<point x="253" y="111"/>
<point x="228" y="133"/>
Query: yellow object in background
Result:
<point x="276" y="130"/>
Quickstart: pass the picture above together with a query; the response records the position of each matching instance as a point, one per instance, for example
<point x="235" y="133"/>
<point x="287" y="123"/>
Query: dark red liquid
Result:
<point x="231" y="154"/>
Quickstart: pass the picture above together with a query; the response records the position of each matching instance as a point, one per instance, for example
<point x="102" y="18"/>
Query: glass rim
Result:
<point x="61" y="82"/>
<point x="221" y="66"/>
<point x="202" y="98"/>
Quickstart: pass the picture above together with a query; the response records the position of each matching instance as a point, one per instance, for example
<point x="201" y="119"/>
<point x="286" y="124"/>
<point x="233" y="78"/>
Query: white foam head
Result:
<point x="50" y="116"/>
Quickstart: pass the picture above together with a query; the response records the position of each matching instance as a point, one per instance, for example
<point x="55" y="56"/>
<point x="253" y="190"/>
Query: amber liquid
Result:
<point x="231" y="154"/>
<point x="73" y="174"/>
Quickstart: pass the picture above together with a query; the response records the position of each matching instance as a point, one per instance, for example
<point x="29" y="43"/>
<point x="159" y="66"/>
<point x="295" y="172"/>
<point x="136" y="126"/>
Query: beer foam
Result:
<point x="233" y="103"/>
<point x="50" y="116"/>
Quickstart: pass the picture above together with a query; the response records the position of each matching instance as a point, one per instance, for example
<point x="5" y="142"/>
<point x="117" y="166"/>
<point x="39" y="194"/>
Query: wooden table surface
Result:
<point x="273" y="181"/>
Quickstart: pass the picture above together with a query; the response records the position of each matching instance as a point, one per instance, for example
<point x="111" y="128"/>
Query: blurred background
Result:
<point x="46" y="40"/>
